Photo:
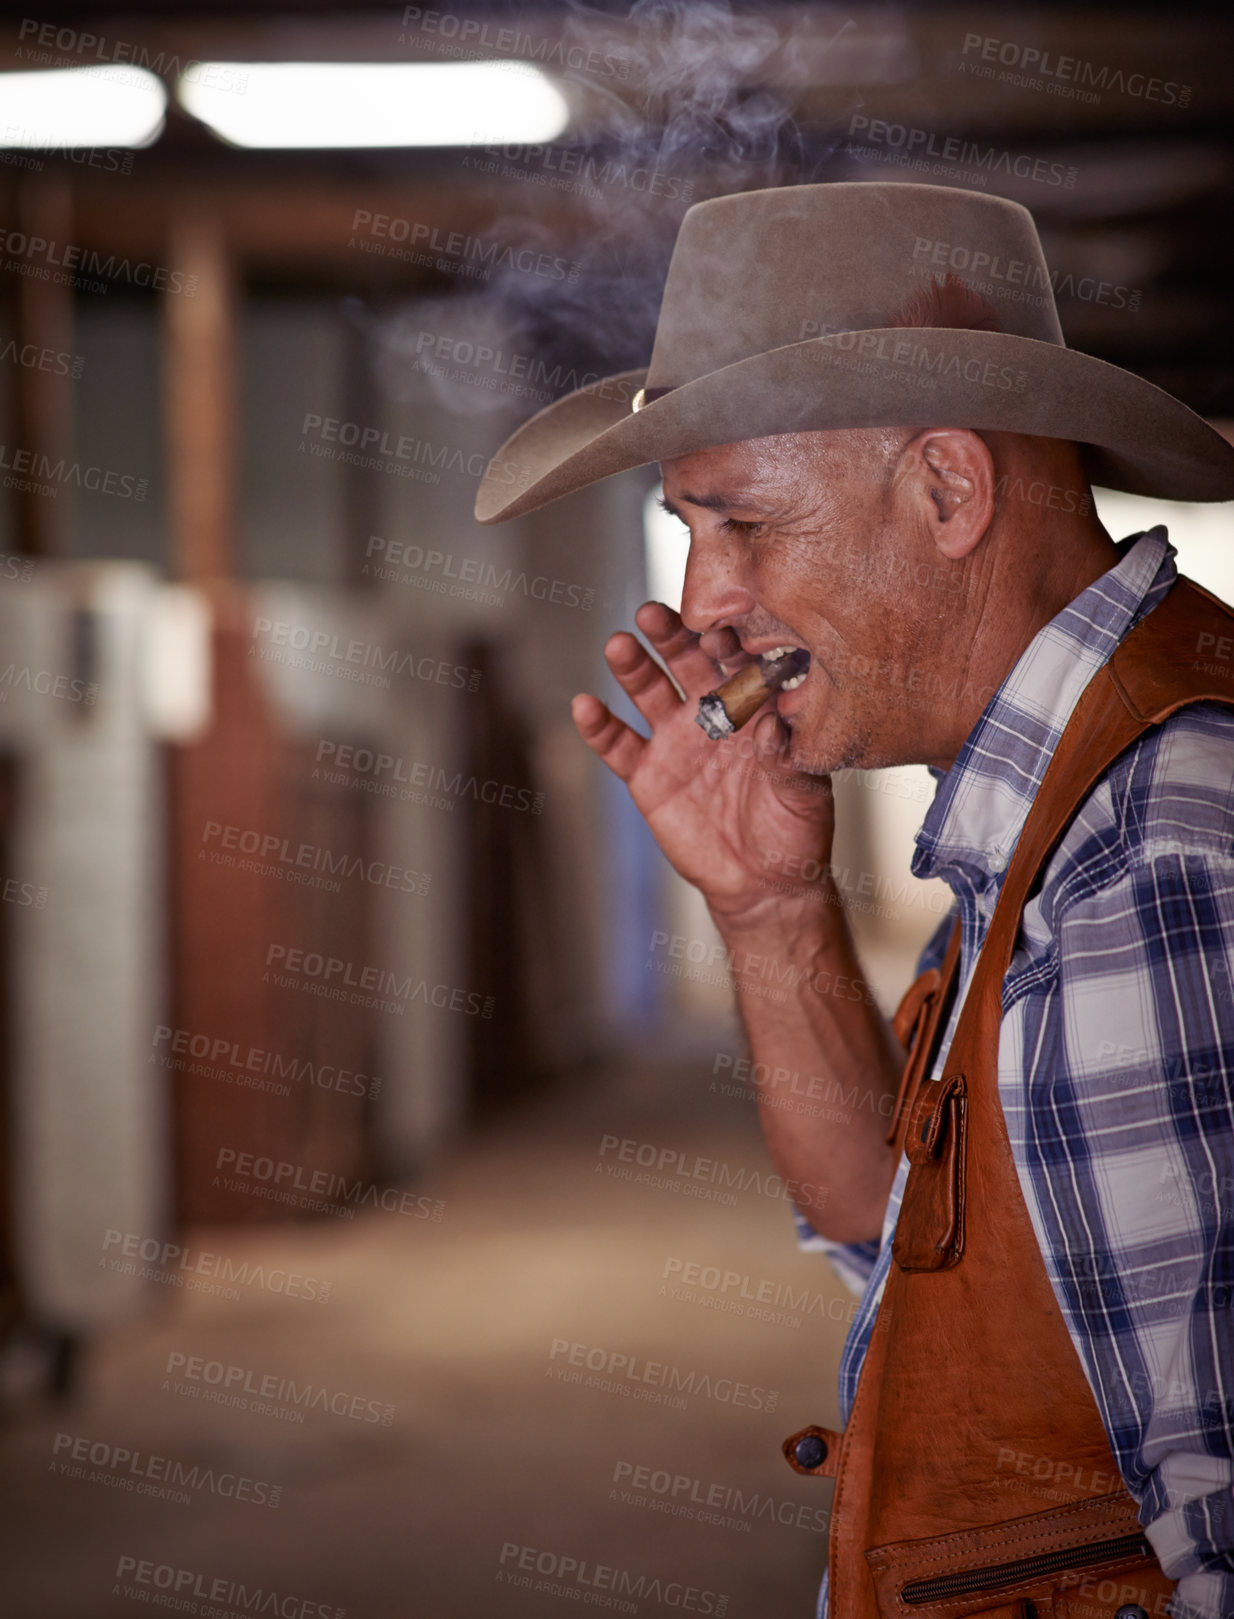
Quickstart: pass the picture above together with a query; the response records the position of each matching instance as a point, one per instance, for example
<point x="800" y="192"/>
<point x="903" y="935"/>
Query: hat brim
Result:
<point x="1139" y="438"/>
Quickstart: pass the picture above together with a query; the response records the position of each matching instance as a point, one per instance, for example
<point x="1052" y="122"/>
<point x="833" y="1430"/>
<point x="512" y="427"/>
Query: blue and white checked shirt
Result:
<point x="1115" y="1064"/>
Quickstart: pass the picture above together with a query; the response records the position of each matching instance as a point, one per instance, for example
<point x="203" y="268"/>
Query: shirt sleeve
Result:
<point x="1129" y="1135"/>
<point x="853" y="1262"/>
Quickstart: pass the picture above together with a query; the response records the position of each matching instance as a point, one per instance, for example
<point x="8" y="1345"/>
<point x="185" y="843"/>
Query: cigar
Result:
<point x="724" y="711"/>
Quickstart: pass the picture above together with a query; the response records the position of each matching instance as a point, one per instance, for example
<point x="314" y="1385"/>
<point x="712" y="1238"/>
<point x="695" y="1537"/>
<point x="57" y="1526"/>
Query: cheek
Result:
<point x="791" y="585"/>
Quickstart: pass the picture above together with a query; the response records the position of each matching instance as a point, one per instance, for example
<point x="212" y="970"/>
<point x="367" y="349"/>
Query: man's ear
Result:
<point x="954" y="478"/>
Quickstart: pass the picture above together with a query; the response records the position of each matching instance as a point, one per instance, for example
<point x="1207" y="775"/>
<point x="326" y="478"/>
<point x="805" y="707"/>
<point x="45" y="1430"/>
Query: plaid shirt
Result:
<point x="1115" y="1060"/>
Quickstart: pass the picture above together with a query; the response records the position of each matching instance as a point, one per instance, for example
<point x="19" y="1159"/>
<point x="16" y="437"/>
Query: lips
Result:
<point x="793" y="658"/>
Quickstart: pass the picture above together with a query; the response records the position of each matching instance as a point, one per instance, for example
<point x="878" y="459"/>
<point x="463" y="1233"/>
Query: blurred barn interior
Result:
<point x="304" y="865"/>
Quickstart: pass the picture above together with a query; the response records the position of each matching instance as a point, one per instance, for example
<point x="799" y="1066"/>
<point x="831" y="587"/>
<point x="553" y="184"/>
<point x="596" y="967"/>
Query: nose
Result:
<point x="712" y="592"/>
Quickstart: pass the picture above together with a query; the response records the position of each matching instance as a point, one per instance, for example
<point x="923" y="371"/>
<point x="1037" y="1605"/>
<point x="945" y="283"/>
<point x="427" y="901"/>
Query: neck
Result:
<point x="1026" y="579"/>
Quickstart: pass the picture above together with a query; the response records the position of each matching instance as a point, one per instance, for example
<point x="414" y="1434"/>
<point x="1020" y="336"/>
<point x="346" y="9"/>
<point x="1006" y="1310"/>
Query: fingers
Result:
<point x="609" y="738"/>
<point x="641" y="677"/>
<point x="679" y="648"/>
<point x="772" y="743"/>
<point x="724" y="646"/>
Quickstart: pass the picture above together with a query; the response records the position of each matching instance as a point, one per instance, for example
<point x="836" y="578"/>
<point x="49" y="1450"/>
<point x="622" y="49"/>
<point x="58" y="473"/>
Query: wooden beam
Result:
<point x="43" y="398"/>
<point x="200" y="404"/>
<point x="299" y="222"/>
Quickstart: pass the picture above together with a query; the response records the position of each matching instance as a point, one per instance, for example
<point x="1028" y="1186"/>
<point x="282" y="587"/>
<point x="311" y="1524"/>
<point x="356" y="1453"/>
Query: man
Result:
<point x="885" y="460"/>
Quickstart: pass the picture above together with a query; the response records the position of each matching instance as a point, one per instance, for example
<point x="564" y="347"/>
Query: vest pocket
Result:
<point x="929" y="1233"/>
<point x="1025" y="1565"/>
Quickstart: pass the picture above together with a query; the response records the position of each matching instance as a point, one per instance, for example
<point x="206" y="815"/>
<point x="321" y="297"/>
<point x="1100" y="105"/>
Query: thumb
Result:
<point x="772" y="744"/>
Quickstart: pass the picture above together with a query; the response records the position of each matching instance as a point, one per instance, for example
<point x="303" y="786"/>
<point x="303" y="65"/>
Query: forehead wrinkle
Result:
<point x="771" y="498"/>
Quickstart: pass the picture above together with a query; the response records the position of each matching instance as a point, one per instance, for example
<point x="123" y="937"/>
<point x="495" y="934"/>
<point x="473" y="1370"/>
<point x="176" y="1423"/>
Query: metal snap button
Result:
<point x="812" y="1452"/>
<point x="1131" y="1610"/>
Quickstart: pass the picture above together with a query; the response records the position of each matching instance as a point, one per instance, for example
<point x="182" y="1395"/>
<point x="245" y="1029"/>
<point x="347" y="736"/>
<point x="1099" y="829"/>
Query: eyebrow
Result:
<point x="720" y="502"/>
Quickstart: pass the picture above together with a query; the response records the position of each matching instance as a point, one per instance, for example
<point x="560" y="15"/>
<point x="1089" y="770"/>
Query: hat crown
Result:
<point x="764" y="269"/>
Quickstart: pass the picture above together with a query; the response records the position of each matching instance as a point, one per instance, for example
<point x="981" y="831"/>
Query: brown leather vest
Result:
<point x="974" y="1476"/>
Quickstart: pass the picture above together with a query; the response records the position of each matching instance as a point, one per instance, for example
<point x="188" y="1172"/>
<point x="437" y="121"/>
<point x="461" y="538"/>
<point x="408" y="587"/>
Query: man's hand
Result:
<point x="725" y="814"/>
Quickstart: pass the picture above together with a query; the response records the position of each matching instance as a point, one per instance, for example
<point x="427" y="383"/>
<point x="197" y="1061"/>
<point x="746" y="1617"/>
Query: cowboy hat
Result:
<point x="859" y="305"/>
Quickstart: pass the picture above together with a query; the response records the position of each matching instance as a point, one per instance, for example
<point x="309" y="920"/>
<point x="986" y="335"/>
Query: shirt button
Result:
<point x="997" y="861"/>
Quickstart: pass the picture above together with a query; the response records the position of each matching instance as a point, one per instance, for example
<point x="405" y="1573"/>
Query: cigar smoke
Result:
<point x="701" y="102"/>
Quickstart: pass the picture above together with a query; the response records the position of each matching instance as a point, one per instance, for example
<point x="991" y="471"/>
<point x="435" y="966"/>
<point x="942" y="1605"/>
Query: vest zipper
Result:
<point x="1024" y="1568"/>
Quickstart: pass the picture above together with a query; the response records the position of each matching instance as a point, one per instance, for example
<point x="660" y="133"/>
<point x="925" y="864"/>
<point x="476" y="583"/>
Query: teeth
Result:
<point x="792" y="685"/>
<point x="778" y="652"/>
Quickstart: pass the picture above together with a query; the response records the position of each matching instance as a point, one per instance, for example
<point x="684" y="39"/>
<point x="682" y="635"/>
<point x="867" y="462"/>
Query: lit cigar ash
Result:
<point x="724" y="711"/>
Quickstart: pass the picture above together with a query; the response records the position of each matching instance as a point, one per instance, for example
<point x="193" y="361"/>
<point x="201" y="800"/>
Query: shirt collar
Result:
<point x="981" y="803"/>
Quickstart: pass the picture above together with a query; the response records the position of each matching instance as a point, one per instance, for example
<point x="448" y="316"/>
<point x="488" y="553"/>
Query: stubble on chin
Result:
<point x="819" y="757"/>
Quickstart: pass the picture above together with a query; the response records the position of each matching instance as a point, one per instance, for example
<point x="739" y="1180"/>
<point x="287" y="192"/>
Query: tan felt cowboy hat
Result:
<point x="834" y="306"/>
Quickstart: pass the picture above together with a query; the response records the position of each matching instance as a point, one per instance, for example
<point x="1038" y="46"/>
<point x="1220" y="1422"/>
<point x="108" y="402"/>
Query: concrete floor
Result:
<point x="491" y="1463"/>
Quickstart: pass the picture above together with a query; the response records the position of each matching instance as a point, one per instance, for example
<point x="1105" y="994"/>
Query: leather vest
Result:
<point x="974" y="1476"/>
